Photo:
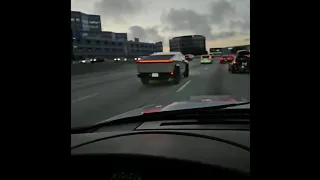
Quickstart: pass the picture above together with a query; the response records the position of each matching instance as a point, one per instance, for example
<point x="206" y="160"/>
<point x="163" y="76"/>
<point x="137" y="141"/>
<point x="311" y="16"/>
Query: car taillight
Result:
<point x="221" y="58"/>
<point x="234" y="62"/>
<point x="154" y="61"/>
<point x="228" y="59"/>
<point x="210" y="57"/>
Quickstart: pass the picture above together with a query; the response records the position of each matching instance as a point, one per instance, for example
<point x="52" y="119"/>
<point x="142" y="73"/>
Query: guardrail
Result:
<point x="77" y="69"/>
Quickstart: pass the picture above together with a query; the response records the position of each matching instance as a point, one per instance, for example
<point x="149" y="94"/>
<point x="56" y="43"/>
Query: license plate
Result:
<point x="155" y="74"/>
<point x="244" y="64"/>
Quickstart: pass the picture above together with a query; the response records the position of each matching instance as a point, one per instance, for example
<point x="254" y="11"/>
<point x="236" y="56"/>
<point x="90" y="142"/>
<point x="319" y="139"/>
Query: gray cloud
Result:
<point x="223" y="20"/>
<point x="118" y="9"/>
<point x="221" y="11"/>
<point x="145" y="34"/>
<point x="187" y="20"/>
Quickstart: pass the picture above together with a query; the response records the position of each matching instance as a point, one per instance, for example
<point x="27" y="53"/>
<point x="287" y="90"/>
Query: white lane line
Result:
<point x="85" y="97"/>
<point x="182" y="87"/>
<point x="206" y="68"/>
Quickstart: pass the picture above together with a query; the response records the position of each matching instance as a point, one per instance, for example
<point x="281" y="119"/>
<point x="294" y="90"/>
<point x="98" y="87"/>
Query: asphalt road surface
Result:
<point x="98" y="96"/>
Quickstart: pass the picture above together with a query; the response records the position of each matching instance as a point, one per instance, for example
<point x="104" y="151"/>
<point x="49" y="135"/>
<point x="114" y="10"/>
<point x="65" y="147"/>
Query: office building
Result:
<point x="137" y="48"/>
<point x="193" y="44"/>
<point x="91" y="41"/>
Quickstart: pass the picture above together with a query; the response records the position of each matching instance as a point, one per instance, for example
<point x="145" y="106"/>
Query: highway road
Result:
<point x="98" y="96"/>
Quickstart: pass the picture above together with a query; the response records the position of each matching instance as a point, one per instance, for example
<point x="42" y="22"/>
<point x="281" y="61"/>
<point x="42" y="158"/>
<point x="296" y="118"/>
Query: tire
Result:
<point x="177" y="75"/>
<point x="186" y="72"/>
<point x="232" y="71"/>
<point x="144" y="81"/>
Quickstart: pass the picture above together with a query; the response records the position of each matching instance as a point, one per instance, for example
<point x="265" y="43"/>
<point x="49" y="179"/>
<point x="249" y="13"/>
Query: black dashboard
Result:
<point x="162" y="149"/>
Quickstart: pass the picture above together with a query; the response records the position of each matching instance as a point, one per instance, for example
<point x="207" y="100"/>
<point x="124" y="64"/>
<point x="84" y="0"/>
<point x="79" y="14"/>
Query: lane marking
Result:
<point x="85" y="97"/>
<point x="87" y="79"/>
<point x="206" y="68"/>
<point x="182" y="87"/>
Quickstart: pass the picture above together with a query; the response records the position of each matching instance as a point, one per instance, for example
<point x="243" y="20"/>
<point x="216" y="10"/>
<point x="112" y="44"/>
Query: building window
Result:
<point x="72" y="19"/>
<point x="78" y="19"/>
<point x="89" y="49"/>
<point x="106" y="42"/>
<point x="98" y="42"/>
<point x="97" y="49"/>
<point x="106" y="49"/>
<point x="88" y="41"/>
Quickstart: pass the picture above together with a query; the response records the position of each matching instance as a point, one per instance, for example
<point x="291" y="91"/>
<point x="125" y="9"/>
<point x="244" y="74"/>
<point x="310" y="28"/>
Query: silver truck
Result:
<point x="163" y="66"/>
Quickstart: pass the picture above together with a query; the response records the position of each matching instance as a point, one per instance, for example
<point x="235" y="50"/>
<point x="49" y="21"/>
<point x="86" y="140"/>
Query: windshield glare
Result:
<point x="125" y="62"/>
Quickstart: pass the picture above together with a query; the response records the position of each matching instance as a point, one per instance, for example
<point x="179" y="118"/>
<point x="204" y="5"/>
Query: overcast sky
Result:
<point x="222" y="22"/>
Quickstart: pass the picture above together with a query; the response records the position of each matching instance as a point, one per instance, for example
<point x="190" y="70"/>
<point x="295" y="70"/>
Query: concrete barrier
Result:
<point x="78" y="69"/>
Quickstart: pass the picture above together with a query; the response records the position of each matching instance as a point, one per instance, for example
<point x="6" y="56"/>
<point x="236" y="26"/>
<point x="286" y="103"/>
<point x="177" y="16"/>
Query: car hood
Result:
<point x="193" y="102"/>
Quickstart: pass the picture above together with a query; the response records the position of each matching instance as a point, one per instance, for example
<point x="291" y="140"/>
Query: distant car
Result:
<point x="97" y="60"/>
<point x="120" y="59"/>
<point x="139" y="58"/>
<point x="86" y="61"/>
<point x="189" y="57"/>
<point x="241" y="63"/>
<point x="163" y="66"/>
<point x="226" y="59"/>
<point x="206" y="59"/>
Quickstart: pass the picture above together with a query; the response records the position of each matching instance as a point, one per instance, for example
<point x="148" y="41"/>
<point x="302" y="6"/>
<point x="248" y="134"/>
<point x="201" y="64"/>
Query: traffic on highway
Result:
<point x="154" y="81"/>
<point x="169" y="86"/>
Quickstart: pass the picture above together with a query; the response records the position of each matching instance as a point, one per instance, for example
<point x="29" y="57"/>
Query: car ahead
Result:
<point x="139" y="58"/>
<point x="117" y="59"/>
<point x="226" y="59"/>
<point x="97" y="60"/>
<point x="206" y="59"/>
<point x="163" y="66"/>
<point x="169" y="134"/>
<point x="188" y="57"/>
<point x="241" y="62"/>
<point x="86" y="61"/>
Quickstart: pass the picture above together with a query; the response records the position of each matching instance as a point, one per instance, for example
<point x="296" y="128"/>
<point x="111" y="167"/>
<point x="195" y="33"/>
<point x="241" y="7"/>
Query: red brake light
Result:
<point x="234" y="62"/>
<point x="228" y="58"/>
<point x="221" y="58"/>
<point x="154" y="61"/>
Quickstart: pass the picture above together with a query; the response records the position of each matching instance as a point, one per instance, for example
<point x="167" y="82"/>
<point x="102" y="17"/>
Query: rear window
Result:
<point x="205" y="56"/>
<point x="242" y="53"/>
<point x="159" y="57"/>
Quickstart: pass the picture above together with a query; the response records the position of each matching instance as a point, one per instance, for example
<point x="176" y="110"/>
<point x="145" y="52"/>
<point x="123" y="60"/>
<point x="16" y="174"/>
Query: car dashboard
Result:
<point x="162" y="150"/>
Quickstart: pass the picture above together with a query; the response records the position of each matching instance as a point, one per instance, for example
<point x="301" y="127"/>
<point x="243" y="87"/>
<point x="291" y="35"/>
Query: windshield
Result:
<point x="120" y="33"/>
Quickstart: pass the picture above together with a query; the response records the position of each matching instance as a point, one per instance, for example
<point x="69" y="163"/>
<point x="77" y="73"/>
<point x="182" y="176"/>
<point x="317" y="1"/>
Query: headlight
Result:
<point x="118" y="59"/>
<point x="135" y="58"/>
<point x="115" y="59"/>
<point x="125" y="59"/>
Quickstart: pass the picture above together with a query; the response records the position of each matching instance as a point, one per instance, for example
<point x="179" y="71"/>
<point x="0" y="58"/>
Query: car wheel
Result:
<point x="186" y="72"/>
<point x="232" y="70"/>
<point x="177" y="75"/>
<point x="144" y="81"/>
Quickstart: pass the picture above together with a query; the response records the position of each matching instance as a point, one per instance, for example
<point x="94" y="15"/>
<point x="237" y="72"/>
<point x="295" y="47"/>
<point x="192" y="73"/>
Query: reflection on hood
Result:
<point x="193" y="102"/>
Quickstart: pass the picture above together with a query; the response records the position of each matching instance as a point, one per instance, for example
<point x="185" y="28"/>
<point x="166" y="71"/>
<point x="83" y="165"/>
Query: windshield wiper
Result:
<point x="212" y="111"/>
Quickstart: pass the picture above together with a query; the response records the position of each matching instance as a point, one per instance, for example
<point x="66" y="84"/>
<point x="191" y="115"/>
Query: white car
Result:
<point x="163" y="66"/>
